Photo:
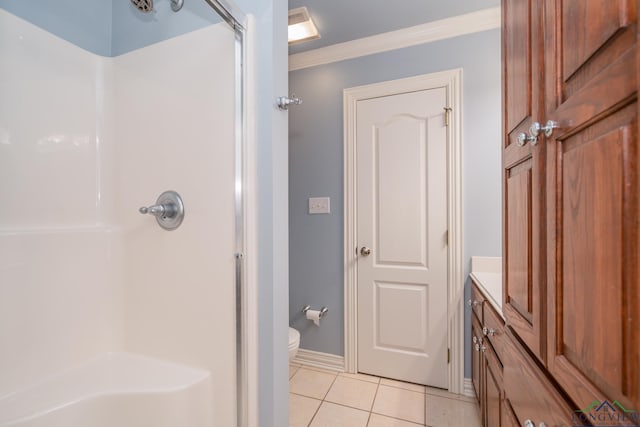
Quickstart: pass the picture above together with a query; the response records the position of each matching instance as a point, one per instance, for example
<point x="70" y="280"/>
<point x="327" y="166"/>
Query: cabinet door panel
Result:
<point x="604" y="20"/>
<point x="522" y="257"/>
<point x="518" y="62"/>
<point x="592" y="200"/>
<point x="523" y="172"/>
<point x="593" y="349"/>
<point x="519" y="199"/>
<point x="492" y="388"/>
<point x="476" y="359"/>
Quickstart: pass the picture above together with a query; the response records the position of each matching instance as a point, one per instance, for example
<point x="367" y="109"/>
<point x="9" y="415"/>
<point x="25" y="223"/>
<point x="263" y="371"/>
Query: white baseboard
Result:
<point x="469" y="391"/>
<point x="317" y="359"/>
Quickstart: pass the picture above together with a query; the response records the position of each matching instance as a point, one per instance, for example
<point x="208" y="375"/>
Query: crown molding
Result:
<point x="474" y="22"/>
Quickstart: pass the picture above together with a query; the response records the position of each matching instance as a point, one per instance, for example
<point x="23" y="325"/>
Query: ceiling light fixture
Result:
<point x="301" y="26"/>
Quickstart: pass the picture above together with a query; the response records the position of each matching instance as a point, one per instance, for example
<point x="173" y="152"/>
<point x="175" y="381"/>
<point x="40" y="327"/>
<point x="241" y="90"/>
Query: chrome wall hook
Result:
<point x="284" y="101"/>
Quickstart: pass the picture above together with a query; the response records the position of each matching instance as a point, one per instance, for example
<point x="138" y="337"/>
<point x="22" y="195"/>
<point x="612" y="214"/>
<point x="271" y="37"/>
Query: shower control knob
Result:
<point x="168" y="210"/>
<point x="365" y="251"/>
<point x="156" y="210"/>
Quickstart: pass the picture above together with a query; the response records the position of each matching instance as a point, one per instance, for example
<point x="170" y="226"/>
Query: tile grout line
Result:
<point x="315" y="413"/>
<point x="322" y="400"/>
<point x="375" y="395"/>
<point x="304" y="395"/>
<point x="425" y="408"/>
<point x="329" y="389"/>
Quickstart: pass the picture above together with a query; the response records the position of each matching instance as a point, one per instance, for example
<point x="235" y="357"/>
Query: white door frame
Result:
<point x="451" y="80"/>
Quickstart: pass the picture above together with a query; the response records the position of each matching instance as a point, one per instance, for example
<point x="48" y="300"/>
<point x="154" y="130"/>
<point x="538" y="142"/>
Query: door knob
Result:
<point x="548" y="128"/>
<point x="523" y="138"/>
<point x="365" y="251"/>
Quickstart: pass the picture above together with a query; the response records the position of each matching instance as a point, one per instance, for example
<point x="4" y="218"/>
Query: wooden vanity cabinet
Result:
<point x="487" y="332"/>
<point x="571" y="208"/>
<point x="510" y="385"/>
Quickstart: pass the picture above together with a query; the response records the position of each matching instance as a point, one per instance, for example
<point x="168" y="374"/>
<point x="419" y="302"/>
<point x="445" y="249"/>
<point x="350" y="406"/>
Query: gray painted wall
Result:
<point x="85" y="23"/>
<point x="111" y="28"/>
<point x="316" y="168"/>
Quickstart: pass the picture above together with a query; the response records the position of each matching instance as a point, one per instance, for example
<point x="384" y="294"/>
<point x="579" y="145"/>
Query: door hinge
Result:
<point x="447" y="112"/>
<point x="448" y="356"/>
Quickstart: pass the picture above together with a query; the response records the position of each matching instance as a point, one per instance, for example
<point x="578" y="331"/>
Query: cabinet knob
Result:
<point x="528" y="423"/>
<point x="473" y="303"/>
<point x="536" y="128"/>
<point x="523" y="138"/>
<point x="475" y="339"/>
<point x="483" y="348"/>
<point x="488" y="331"/>
<point x="478" y="349"/>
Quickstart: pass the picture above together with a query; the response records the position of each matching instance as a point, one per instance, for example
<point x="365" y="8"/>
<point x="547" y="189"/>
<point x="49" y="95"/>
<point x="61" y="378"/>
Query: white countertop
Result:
<point x="486" y="272"/>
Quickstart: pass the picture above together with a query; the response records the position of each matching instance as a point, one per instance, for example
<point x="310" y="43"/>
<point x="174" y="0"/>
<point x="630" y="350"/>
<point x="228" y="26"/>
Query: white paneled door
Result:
<point x="401" y="154"/>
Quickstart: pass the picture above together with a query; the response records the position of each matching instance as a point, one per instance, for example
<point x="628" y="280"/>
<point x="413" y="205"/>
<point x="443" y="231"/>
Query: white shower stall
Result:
<point x="105" y="318"/>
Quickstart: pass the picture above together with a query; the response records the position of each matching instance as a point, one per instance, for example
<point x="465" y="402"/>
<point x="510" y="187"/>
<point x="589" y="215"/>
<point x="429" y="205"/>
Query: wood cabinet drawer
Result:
<point x="529" y="392"/>
<point x="476" y="302"/>
<point x="493" y="329"/>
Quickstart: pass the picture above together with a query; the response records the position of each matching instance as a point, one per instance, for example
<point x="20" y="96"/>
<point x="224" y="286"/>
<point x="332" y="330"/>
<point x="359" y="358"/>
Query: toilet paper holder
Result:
<point x="323" y="310"/>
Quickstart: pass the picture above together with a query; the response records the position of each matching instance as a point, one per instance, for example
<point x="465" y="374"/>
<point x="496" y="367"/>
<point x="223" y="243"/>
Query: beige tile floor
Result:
<point x="321" y="398"/>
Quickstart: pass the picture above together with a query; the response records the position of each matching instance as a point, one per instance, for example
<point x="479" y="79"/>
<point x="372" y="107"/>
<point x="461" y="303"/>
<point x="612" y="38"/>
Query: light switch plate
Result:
<point x="319" y="205"/>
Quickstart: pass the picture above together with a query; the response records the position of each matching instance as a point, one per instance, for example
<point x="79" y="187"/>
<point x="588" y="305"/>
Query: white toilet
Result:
<point x="294" y="343"/>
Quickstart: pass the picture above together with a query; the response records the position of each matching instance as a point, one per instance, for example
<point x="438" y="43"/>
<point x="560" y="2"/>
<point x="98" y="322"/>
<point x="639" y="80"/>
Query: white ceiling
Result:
<point x="343" y="20"/>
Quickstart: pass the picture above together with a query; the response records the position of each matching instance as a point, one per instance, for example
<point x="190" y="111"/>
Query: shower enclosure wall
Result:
<point x="105" y="318"/>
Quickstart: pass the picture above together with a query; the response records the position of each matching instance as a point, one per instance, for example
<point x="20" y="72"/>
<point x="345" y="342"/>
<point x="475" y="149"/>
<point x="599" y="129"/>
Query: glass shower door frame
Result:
<point x="238" y="22"/>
